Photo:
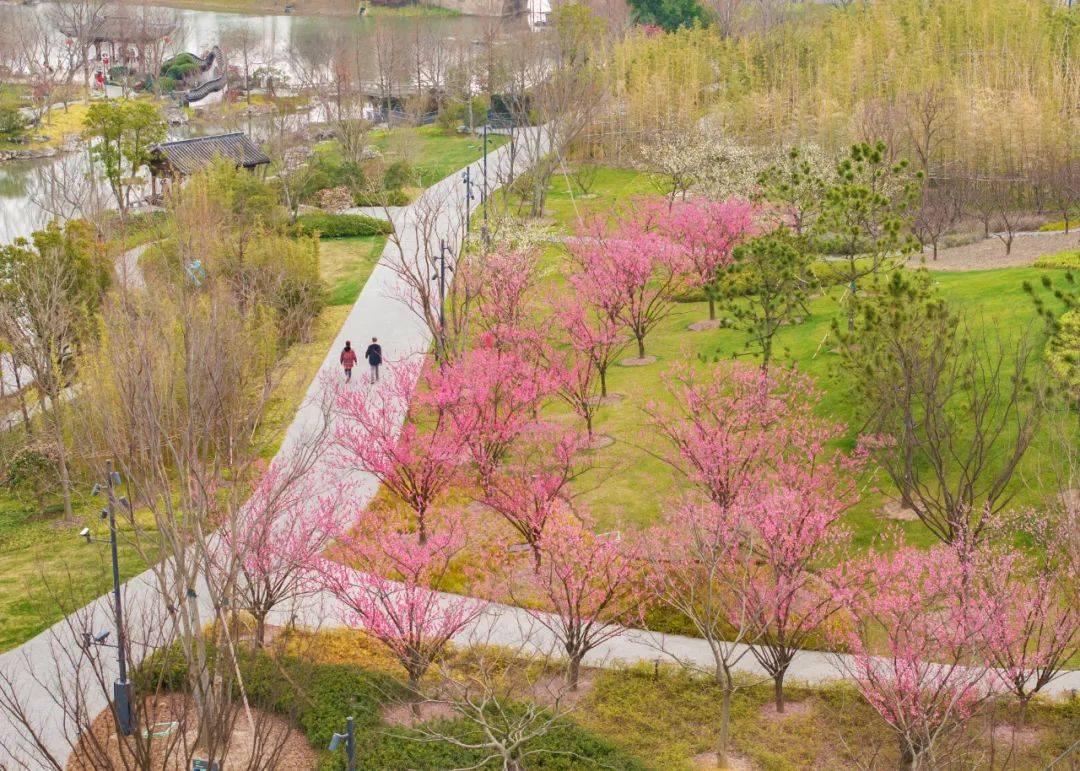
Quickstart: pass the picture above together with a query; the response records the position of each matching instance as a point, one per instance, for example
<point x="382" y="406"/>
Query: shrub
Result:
<point x="1064" y="260"/>
<point x="399" y="174"/>
<point x="382" y="198"/>
<point x="341" y="225"/>
<point x="12" y="122"/>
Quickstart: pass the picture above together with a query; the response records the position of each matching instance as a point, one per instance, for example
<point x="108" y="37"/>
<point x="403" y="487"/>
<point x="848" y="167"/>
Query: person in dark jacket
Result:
<point x="348" y="360"/>
<point x="373" y="354"/>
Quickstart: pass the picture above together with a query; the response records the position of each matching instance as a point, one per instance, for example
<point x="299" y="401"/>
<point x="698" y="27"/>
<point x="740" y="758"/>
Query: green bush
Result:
<point x="399" y="174"/>
<point x="319" y="697"/>
<point x="1064" y="260"/>
<point x="381" y="198"/>
<point x="179" y="67"/>
<point x="328" y="169"/>
<point x="341" y="225"/>
<point x="12" y="122"/>
<point x="832" y="272"/>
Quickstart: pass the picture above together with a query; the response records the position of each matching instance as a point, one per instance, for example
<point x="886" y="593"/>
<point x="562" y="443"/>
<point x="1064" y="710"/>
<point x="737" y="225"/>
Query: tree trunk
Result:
<point x="935" y="251"/>
<point x="725" y="729"/>
<point x="22" y="400"/>
<point x="712" y="308"/>
<point x="603" y="381"/>
<point x="908" y="759"/>
<point x="61" y="457"/>
<point x="260" y="630"/>
<point x="640" y="345"/>
<point x="573" y="672"/>
<point x="778" y="690"/>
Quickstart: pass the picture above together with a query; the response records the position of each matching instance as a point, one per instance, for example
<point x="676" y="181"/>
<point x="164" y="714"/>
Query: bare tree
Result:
<point x="512" y="697"/>
<point x="950" y="409"/>
<point x="928" y="119"/>
<point x="940" y="207"/>
<point x="80" y="21"/>
<point x="243" y="44"/>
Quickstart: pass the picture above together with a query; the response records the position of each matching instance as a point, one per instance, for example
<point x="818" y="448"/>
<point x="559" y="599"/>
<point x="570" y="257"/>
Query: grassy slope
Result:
<point x="45" y="566"/>
<point x="58" y="124"/>
<point x="636" y="485"/>
<point x="434" y="152"/>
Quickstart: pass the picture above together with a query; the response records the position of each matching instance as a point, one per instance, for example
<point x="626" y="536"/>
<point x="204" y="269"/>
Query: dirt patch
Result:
<point x="706" y="325"/>
<point x="600" y="441"/>
<point x="637" y="362"/>
<point x="989" y="253"/>
<point x="611" y="398"/>
<point x="1017" y="736"/>
<point x="736" y="762"/>
<point x="275" y="743"/>
<point x="792" y="709"/>
<point x="896" y="511"/>
<point x="404" y="716"/>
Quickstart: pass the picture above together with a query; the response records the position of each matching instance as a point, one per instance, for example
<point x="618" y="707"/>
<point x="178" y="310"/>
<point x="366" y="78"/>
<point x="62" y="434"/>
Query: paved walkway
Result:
<point x="51" y="661"/>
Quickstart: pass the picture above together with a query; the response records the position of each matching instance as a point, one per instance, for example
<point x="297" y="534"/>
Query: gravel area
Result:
<point x="990" y="252"/>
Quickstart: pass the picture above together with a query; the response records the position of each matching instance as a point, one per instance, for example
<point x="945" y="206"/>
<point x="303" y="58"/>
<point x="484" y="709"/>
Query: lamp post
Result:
<point x="466" y="178"/>
<point x="441" y="277"/>
<point x="122" y="701"/>
<point x="484" y="190"/>
<point x="349" y="738"/>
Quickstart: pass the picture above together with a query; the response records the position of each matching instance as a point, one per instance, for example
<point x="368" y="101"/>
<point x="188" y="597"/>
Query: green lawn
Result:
<point x="346" y="263"/>
<point x="46" y="566"/>
<point x="630" y="485"/>
<point x="434" y="152"/>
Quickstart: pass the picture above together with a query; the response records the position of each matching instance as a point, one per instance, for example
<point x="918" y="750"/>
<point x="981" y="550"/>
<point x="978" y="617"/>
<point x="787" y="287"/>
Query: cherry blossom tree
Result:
<point x="589" y="586"/>
<point x="708" y="231"/>
<point x="915" y="654"/>
<point x="730" y="425"/>
<point x="387" y="581"/>
<point x="492" y="397"/>
<point x="698" y="569"/>
<point x="1033" y="614"/>
<point x="416" y="462"/>
<point x="593" y="335"/>
<point x="791" y="531"/>
<point x="276" y="540"/>
<point x="630" y="273"/>
<point x="533" y="487"/>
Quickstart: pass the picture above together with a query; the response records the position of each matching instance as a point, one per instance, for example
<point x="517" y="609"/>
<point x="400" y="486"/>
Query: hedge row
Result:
<point x="341" y="225"/>
<point x="382" y="198"/>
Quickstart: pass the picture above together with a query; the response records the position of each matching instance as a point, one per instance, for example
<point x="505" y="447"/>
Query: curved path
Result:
<point x="52" y="662"/>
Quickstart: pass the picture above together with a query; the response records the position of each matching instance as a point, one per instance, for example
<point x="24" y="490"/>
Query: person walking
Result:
<point x="373" y="354"/>
<point x="348" y="360"/>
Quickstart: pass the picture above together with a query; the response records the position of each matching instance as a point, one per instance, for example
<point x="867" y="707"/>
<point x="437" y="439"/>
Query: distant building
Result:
<point x="172" y="161"/>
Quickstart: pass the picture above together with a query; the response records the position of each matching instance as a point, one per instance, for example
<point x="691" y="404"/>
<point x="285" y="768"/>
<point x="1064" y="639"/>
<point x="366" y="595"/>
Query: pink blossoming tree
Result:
<point x="416" y="462"/>
<point x="915" y="657"/>
<point x="698" y="570"/>
<point x="791" y="531"/>
<point x="387" y="582"/>
<point x="533" y="487"/>
<point x="1033" y="613"/>
<point x="629" y="274"/>
<point x="594" y="337"/>
<point x="276" y="540"/>
<point x="492" y="397"/>
<point x="708" y="232"/>
<point x="728" y="427"/>
<point x="590" y="588"/>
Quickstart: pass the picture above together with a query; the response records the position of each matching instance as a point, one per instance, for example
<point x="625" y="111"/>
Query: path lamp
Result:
<point x="349" y="738"/>
<point x="122" y="701"/>
<point x="466" y="178"/>
<point x="440" y="276"/>
<point x="484" y="190"/>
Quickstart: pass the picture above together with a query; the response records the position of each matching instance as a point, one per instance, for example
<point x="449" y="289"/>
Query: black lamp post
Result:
<point x="122" y="701"/>
<point x="484" y="190"/>
<point x="349" y="738"/>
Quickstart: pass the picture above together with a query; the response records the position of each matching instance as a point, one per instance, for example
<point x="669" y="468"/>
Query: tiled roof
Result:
<point x="187" y="156"/>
